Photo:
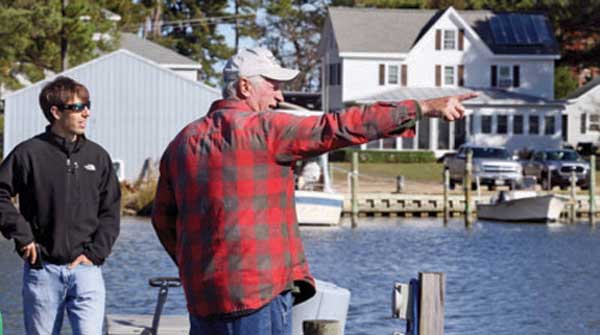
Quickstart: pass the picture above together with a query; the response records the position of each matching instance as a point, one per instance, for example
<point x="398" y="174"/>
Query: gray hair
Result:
<point x="230" y="86"/>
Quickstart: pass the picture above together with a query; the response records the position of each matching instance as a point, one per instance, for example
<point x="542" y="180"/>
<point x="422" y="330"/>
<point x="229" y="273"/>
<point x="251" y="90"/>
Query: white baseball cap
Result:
<point x="256" y="61"/>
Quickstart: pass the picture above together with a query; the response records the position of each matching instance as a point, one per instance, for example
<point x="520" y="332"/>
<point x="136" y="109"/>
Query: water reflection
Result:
<point x="501" y="278"/>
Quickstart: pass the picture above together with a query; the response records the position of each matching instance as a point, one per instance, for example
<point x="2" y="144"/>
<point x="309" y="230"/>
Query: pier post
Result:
<point x="321" y="327"/>
<point x="467" y="185"/>
<point x="572" y="208"/>
<point x="446" y="204"/>
<point x="431" y="316"/>
<point x="354" y="186"/>
<point x="592" y="189"/>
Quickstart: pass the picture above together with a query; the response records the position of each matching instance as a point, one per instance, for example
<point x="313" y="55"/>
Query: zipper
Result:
<point x="68" y="203"/>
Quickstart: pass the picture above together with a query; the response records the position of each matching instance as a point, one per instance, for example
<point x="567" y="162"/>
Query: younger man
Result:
<point x="68" y="217"/>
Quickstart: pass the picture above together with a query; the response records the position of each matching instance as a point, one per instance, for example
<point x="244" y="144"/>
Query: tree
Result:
<point x="31" y="33"/>
<point x="190" y="29"/>
<point x="564" y="82"/>
<point x="292" y="32"/>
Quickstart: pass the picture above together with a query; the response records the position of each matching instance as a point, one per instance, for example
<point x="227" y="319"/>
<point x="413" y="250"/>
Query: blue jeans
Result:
<point x="49" y="291"/>
<point x="275" y="318"/>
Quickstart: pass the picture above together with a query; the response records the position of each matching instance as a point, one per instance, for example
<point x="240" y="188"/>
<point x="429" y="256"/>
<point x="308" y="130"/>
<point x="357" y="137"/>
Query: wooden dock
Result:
<point x="428" y="205"/>
<point x="122" y="324"/>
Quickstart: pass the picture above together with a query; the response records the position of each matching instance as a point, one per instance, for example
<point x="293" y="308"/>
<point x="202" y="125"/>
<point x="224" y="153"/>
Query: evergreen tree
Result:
<point x="193" y="33"/>
<point x="31" y="33"/>
<point x="292" y="32"/>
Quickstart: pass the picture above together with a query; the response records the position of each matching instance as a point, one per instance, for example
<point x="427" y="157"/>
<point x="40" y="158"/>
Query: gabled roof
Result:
<point x="154" y="51"/>
<point x="398" y="30"/>
<point x="126" y="54"/>
<point x="584" y="89"/>
<point x="487" y="96"/>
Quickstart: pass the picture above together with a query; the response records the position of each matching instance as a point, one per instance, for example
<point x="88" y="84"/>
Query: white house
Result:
<point x="165" y="57"/>
<point x="138" y="106"/>
<point x="388" y="54"/>
<point x="583" y="113"/>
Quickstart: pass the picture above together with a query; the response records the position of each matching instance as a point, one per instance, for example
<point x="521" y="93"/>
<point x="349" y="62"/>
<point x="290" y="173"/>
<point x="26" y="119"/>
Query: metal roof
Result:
<point x="154" y="51"/>
<point x="487" y="96"/>
<point x="584" y="89"/>
<point x="398" y="30"/>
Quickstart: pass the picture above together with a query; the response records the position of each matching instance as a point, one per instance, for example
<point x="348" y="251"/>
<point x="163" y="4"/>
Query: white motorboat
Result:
<point x="318" y="208"/>
<point x="522" y="206"/>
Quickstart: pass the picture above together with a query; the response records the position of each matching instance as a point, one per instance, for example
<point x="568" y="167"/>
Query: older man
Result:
<point x="224" y="208"/>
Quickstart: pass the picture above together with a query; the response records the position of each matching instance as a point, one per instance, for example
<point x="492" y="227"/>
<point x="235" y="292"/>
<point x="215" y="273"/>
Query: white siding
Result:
<point x="137" y="108"/>
<point x="588" y="103"/>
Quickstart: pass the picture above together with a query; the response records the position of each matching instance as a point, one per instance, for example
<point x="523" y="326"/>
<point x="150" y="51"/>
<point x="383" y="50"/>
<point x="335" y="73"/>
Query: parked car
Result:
<point x="553" y="168"/>
<point x="493" y="166"/>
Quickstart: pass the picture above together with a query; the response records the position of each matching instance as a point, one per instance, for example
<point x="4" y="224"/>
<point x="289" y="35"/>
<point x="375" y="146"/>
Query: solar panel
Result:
<point x="497" y="30"/>
<point x="541" y="28"/>
<point x="520" y="29"/>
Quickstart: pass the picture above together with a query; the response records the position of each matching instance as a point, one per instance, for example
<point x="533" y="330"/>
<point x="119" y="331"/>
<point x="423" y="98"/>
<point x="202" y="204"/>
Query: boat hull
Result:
<point x="545" y="208"/>
<point x="318" y="208"/>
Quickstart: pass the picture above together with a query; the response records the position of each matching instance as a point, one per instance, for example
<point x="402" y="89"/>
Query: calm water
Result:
<point x="501" y="278"/>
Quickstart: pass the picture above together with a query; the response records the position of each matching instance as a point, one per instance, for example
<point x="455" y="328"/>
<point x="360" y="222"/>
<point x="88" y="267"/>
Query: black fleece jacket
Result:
<point x="69" y="198"/>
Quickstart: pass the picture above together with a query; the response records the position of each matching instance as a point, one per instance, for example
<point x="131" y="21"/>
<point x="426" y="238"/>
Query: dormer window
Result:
<point x="449" y="39"/>
<point x="505" y="76"/>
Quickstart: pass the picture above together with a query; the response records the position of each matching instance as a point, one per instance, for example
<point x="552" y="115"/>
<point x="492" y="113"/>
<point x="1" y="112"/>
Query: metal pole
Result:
<point x="467" y="186"/>
<point x="592" y="189"/>
<point x="572" y="212"/>
<point x="354" y="186"/>
<point x="446" y="204"/>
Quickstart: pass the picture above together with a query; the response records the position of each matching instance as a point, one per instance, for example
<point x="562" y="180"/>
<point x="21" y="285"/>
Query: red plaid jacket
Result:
<point x="224" y="208"/>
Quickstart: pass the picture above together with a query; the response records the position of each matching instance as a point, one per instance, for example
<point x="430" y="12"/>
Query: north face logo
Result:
<point x="90" y="167"/>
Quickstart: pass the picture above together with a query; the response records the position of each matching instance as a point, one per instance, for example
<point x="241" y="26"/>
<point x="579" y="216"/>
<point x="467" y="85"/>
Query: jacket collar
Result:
<point x="67" y="147"/>
<point x="229" y="104"/>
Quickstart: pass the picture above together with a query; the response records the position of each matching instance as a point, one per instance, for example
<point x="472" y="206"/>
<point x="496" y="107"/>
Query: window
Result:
<point x="389" y="143"/>
<point x="449" y="40"/>
<point x="583" y="126"/>
<point x="486" y="124"/>
<point x="518" y="124"/>
<point x="502" y="124"/>
<point x="448" y="75"/>
<point x="471" y="124"/>
<point x="549" y="125"/>
<point x="392" y="74"/>
<point x="534" y="125"/>
<point x="504" y="78"/>
<point x="335" y="75"/>
<point x="381" y="74"/>
<point x="594" y="122"/>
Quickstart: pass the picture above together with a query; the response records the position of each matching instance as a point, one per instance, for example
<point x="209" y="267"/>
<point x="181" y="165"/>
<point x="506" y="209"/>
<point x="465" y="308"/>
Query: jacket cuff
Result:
<point x="92" y="257"/>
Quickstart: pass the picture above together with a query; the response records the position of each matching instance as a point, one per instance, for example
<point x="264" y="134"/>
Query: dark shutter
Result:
<point x="516" y="76"/>
<point x="438" y="39"/>
<point x="461" y="39"/>
<point x="438" y="75"/>
<point x="381" y="74"/>
<point x="494" y="76"/>
<point x="404" y="79"/>
<point x="461" y="75"/>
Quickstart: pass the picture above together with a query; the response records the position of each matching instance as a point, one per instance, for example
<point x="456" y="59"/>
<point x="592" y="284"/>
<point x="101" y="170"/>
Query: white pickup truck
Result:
<point x="493" y="166"/>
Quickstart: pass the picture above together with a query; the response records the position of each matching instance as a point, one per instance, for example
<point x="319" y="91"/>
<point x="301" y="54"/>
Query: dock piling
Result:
<point x="431" y="316"/>
<point x="354" y="186"/>
<point x="446" y="205"/>
<point x="573" y="202"/>
<point x="592" y="189"/>
<point x="467" y="186"/>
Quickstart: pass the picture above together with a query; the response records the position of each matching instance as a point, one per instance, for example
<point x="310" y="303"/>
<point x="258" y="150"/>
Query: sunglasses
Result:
<point x="78" y="107"/>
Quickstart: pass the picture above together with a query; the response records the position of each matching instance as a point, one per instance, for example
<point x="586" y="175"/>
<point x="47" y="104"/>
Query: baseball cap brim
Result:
<point x="280" y="74"/>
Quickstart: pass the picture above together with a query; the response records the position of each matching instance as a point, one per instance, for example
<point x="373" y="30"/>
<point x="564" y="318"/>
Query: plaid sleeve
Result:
<point x="294" y="138"/>
<point x="164" y="211"/>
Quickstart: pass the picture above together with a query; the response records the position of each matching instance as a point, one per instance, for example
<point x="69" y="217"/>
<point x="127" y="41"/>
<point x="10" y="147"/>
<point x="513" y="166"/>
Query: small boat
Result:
<point x="318" y="208"/>
<point x="522" y="206"/>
